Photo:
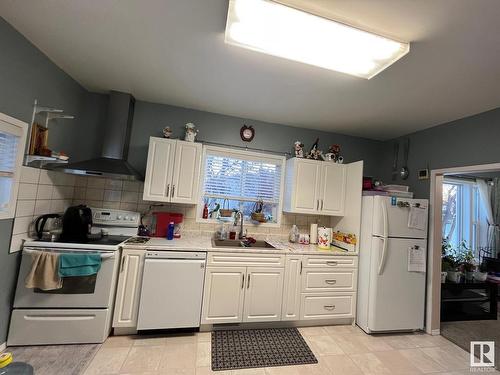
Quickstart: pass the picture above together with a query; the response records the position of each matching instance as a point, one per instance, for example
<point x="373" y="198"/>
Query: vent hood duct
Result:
<point x="116" y="139"/>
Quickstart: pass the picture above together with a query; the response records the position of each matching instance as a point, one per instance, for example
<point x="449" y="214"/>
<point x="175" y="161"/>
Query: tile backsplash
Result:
<point x="40" y="192"/>
<point x="107" y="193"/>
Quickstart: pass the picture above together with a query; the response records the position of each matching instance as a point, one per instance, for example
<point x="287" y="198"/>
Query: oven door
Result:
<point x="95" y="291"/>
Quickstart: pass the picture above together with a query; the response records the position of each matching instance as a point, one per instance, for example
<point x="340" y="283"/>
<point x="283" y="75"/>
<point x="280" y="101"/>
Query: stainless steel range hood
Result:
<point x="116" y="139"/>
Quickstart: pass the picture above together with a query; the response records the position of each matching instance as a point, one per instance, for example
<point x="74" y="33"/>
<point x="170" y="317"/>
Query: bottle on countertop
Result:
<point x="205" y="211"/>
<point x="294" y="234"/>
<point x="170" y="231"/>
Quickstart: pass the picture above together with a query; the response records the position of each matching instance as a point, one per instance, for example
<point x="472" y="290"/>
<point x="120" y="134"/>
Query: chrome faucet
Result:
<point x="241" y="234"/>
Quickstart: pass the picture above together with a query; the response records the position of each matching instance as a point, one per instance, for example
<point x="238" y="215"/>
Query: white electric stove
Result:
<point x="81" y="311"/>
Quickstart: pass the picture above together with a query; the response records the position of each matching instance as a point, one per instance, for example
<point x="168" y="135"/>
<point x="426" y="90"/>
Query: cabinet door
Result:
<point x="306" y="182"/>
<point x="158" y="180"/>
<point x="291" y="288"/>
<point x="129" y="288"/>
<point x="263" y="294"/>
<point x="185" y="182"/>
<point x="223" y="295"/>
<point x="332" y="189"/>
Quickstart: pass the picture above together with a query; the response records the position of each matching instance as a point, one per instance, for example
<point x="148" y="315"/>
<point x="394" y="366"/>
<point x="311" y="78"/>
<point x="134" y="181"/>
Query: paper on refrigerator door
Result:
<point x="417" y="219"/>
<point x="416" y="259"/>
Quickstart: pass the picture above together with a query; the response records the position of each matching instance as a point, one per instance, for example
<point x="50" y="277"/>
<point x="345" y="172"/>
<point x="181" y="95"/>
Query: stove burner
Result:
<point x="137" y="240"/>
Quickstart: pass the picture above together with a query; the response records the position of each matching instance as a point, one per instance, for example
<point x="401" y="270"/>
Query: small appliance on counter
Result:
<point x="77" y="222"/>
<point x="161" y="220"/>
<point x="48" y="227"/>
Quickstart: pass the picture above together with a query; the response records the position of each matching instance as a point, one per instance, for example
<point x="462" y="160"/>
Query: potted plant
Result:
<point x="466" y="261"/>
<point x="482" y="273"/>
<point x="449" y="263"/>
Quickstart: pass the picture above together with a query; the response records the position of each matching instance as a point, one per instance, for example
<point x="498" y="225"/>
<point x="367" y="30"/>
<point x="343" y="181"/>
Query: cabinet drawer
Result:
<point x="327" y="280"/>
<point x="326" y="306"/>
<point x="239" y="259"/>
<point x="330" y="261"/>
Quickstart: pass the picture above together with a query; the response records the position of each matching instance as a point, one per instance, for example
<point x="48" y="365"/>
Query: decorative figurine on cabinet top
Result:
<point x="299" y="149"/>
<point x="315" y="153"/>
<point x="191" y="132"/>
<point x="334" y="154"/>
<point x="167" y="132"/>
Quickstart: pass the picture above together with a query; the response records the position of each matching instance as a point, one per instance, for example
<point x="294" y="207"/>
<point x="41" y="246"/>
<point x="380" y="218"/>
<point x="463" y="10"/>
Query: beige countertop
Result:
<point x="202" y="243"/>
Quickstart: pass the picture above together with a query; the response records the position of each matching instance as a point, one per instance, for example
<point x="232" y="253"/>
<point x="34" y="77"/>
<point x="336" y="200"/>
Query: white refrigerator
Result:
<point x="392" y="262"/>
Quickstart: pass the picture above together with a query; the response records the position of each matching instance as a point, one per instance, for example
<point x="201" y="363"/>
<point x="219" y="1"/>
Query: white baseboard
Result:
<point x="435" y="332"/>
<point x="3" y="347"/>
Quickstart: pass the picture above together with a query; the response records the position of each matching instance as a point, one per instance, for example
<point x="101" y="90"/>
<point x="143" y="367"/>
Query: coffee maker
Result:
<point x="77" y="222"/>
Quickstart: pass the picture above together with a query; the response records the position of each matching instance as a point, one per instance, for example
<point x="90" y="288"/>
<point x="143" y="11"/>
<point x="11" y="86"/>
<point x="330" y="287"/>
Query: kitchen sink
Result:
<point x="242" y="243"/>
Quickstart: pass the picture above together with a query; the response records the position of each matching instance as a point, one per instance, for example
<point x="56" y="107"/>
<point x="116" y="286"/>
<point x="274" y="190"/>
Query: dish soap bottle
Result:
<point x="170" y="231"/>
<point x="294" y="234"/>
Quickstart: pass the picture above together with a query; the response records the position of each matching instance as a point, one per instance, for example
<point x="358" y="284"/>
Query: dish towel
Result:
<point x="72" y="264"/>
<point x="44" y="272"/>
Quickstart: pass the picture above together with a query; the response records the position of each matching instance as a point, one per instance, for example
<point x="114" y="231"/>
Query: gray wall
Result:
<point x="469" y="141"/>
<point x="25" y="75"/>
<point x="150" y="118"/>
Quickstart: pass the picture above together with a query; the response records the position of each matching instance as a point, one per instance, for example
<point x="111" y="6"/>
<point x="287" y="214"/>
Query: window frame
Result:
<point x="19" y="128"/>
<point x="231" y="152"/>
<point x="472" y="200"/>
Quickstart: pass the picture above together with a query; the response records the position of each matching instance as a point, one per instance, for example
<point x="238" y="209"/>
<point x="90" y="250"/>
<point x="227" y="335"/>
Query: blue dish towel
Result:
<point x="71" y="264"/>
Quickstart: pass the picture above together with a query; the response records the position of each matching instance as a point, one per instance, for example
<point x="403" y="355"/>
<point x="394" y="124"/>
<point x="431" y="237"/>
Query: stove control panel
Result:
<point x="103" y="216"/>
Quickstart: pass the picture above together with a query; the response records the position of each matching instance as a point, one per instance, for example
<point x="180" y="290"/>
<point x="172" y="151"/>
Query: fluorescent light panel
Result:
<point x="275" y="29"/>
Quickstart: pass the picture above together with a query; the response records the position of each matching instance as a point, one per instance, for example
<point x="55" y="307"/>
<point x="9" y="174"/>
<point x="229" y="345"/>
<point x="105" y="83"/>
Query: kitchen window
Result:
<point x="236" y="180"/>
<point x="12" y="142"/>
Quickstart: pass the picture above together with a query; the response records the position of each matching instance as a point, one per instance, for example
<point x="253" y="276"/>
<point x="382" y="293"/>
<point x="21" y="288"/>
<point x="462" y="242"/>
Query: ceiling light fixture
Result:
<point x="275" y="29"/>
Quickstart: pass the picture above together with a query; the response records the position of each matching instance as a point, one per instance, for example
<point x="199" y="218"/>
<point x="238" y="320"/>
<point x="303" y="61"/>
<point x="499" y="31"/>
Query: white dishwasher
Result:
<point x="172" y="290"/>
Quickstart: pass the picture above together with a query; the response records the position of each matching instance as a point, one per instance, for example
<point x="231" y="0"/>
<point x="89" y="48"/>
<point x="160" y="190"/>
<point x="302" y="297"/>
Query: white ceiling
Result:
<point x="173" y="52"/>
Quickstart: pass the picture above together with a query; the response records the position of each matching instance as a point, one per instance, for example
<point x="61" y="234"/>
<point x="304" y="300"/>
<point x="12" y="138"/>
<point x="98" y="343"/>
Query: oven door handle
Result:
<point x="104" y="255"/>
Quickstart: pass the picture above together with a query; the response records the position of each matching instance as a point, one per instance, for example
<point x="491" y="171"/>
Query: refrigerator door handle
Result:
<point x="384" y="255"/>
<point x="385" y="218"/>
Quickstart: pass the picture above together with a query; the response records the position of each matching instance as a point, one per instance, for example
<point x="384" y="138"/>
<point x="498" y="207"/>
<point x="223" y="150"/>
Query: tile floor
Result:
<point x="341" y="350"/>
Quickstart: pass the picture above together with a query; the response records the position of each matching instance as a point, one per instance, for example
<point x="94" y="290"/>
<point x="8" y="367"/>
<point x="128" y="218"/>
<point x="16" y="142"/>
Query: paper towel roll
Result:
<point x="313" y="234"/>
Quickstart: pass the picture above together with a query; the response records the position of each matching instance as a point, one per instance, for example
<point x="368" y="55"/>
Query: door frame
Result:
<point x="433" y="297"/>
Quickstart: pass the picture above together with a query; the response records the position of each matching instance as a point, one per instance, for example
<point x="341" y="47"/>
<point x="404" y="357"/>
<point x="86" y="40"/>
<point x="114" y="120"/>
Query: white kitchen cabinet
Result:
<point x="332" y="189"/>
<point x="173" y="171"/>
<point x="291" y="288"/>
<point x="129" y="288"/>
<point x="223" y="295"/>
<point x="263" y="295"/>
<point x="314" y="187"/>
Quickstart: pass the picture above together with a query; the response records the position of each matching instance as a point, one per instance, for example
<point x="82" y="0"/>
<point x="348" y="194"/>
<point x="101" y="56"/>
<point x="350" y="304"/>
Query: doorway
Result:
<point x="464" y="265"/>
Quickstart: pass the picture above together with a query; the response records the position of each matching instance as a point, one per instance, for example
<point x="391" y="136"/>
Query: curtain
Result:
<point x="493" y="229"/>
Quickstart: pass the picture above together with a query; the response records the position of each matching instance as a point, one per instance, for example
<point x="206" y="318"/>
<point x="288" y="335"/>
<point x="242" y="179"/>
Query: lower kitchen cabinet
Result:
<point x="129" y="288"/>
<point x="223" y="295"/>
<point x="263" y="295"/>
<point x="291" y="289"/>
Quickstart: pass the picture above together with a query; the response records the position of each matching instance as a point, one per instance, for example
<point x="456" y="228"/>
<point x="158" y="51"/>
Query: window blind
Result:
<point x="237" y="177"/>
<point x="8" y="150"/>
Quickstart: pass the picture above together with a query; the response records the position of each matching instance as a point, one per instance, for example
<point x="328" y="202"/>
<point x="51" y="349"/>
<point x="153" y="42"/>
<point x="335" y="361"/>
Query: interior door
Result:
<point x="397" y="296"/>
<point x="307" y="179"/>
<point x="186" y="176"/>
<point x="391" y="217"/>
<point x="263" y="296"/>
<point x="158" y="180"/>
<point x="223" y="295"/>
<point x="332" y="188"/>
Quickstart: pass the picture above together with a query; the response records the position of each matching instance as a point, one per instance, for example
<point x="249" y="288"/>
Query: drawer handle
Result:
<point x="331" y="263"/>
<point x="329" y="307"/>
<point x="331" y="282"/>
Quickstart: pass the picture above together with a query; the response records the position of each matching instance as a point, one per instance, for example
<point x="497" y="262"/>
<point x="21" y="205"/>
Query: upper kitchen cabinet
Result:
<point x="173" y="171"/>
<point x="315" y="187"/>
